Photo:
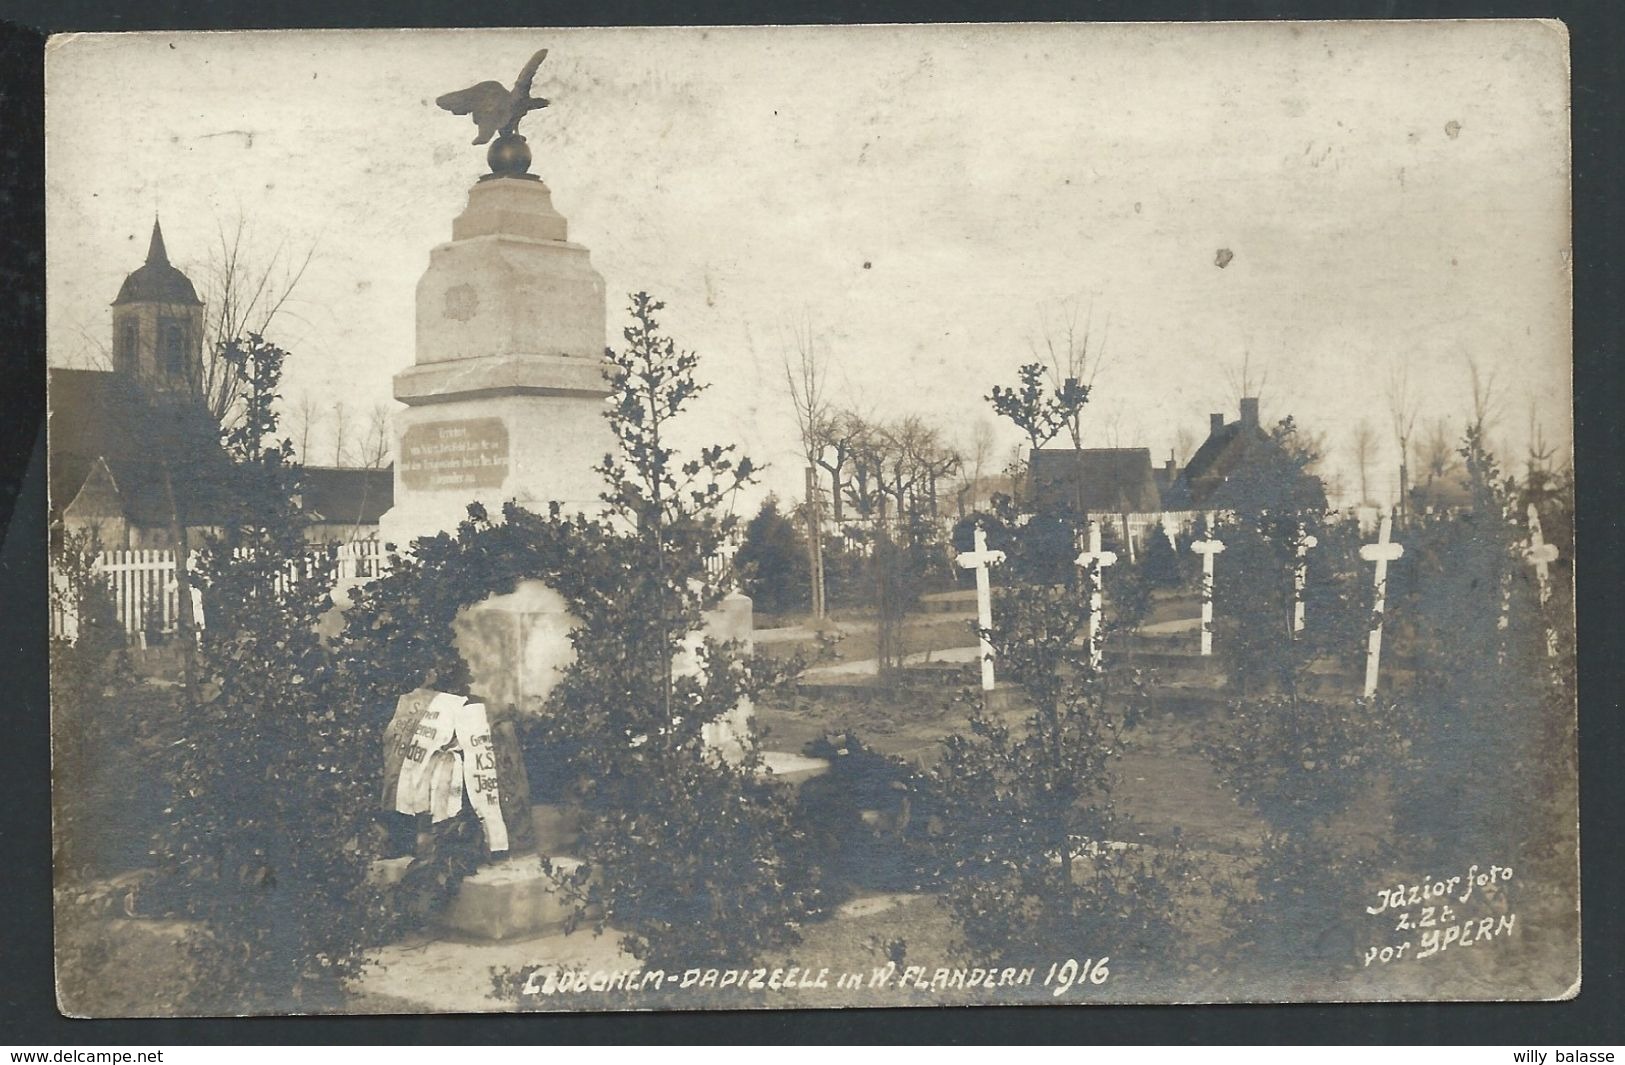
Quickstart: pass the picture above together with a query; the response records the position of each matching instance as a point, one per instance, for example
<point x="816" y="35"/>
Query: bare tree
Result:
<point x="1244" y="380"/>
<point x="1074" y="359"/>
<point x="91" y="353"/>
<point x="977" y="453"/>
<point x="1073" y="356"/>
<point x="303" y="416"/>
<point x="839" y="435"/>
<point x="1184" y="445"/>
<point x="1485" y="400"/>
<point x="243" y="293"/>
<point x="1437" y="450"/>
<point x="805" y="376"/>
<point x="1403" y="409"/>
<point x="341" y="430"/>
<point x="375" y="446"/>
<point x="938" y="461"/>
<point x="1365" y="445"/>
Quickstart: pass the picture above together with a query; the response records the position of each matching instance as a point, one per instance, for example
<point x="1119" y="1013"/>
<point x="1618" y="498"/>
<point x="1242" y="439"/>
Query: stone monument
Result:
<point x="504" y="399"/>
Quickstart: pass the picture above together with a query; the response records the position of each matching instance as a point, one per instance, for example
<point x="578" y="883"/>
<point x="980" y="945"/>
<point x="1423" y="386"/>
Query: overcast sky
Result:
<point x="930" y="201"/>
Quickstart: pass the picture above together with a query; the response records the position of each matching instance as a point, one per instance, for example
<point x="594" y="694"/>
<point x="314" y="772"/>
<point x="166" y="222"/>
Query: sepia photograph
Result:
<point x="798" y="517"/>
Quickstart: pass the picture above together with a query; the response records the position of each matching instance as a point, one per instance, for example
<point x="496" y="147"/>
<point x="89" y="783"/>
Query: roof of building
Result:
<point x="1171" y="487"/>
<point x="139" y="435"/>
<point x="156" y="281"/>
<point x="343" y="495"/>
<point x="1449" y="492"/>
<point x="1115" y="480"/>
<point x="1241" y="465"/>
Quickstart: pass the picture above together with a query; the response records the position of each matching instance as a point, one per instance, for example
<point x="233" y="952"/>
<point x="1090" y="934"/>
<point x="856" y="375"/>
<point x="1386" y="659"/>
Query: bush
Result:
<point x="1302" y="765"/>
<point x="1160" y="560"/>
<point x="865" y="822"/>
<point x="1467" y="603"/>
<point x="267" y="845"/>
<point x="1030" y="836"/>
<point x="772" y="561"/>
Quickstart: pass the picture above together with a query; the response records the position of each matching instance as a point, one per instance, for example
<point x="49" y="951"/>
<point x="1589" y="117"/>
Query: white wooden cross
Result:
<point x="1300" y="577"/>
<point x="981" y="560"/>
<point x="1089" y="560"/>
<point x="1207" y="548"/>
<point x="1540" y="555"/>
<point x="1382" y="552"/>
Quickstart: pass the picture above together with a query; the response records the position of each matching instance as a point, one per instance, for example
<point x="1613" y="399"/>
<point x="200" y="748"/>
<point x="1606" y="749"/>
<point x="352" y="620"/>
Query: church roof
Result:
<point x="156" y="281"/>
<point x="98" y="415"/>
<point x="1115" y="480"/>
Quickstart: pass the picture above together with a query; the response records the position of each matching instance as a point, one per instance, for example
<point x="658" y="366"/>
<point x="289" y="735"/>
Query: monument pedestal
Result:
<point x="511" y="899"/>
<point x="505" y="398"/>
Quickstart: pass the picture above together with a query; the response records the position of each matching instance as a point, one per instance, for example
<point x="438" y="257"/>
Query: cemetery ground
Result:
<point x="1168" y="791"/>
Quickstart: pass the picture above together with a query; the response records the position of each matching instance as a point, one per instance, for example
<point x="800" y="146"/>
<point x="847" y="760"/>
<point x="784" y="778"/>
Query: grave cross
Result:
<point x="1540" y="555"/>
<point x="1207" y="547"/>
<point x="1382" y="552"/>
<point x="1300" y="577"/>
<point x="1095" y="561"/>
<point x="981" y="560"/>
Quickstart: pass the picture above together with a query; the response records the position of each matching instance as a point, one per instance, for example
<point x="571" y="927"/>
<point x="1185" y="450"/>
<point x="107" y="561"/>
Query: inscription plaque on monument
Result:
<point x="467" y="453"/>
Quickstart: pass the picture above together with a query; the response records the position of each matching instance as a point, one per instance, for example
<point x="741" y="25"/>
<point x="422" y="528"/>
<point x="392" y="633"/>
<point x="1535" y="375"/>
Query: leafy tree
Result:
<point x="1040" y="413"/>
<point x="1035" y="852"/>
<point x="89" y="729"/>
<point x="693" y="849"/>
<point x="1469" y="605"/>
<point x="1036" y="855"/>
<point x="1274" y="501"/>
<point x="265" y="846"/>
<point x="773" y="562"/>
<point x="1160" y="561"/>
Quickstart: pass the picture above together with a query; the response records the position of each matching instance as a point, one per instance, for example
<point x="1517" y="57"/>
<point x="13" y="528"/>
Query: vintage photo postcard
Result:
<point x="759" y="518"/>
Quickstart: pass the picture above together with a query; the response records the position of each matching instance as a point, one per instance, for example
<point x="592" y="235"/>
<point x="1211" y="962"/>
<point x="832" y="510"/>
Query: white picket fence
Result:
<point x="146" y="595"/>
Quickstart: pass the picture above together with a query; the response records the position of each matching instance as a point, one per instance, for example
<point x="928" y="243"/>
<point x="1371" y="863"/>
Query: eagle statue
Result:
<point x="496" y="109"/>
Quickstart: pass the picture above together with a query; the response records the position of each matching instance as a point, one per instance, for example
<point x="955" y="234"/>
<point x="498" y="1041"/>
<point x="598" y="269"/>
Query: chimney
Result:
<point x="1249" y="412"/>
<point x="1215" y="423"/>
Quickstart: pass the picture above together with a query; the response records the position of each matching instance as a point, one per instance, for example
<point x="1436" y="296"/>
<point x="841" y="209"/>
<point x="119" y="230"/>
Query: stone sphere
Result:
<point x="509" y="154"/>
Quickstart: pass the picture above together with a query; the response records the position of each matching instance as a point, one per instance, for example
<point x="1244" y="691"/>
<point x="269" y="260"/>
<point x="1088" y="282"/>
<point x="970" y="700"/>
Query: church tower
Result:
<point x="158" y="323"/>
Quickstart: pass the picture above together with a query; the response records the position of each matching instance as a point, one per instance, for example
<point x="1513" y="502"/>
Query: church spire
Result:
<point x="155" y="250"/>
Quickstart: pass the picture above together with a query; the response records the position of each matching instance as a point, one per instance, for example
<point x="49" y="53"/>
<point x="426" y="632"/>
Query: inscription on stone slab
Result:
<point x="470" y="453"/>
